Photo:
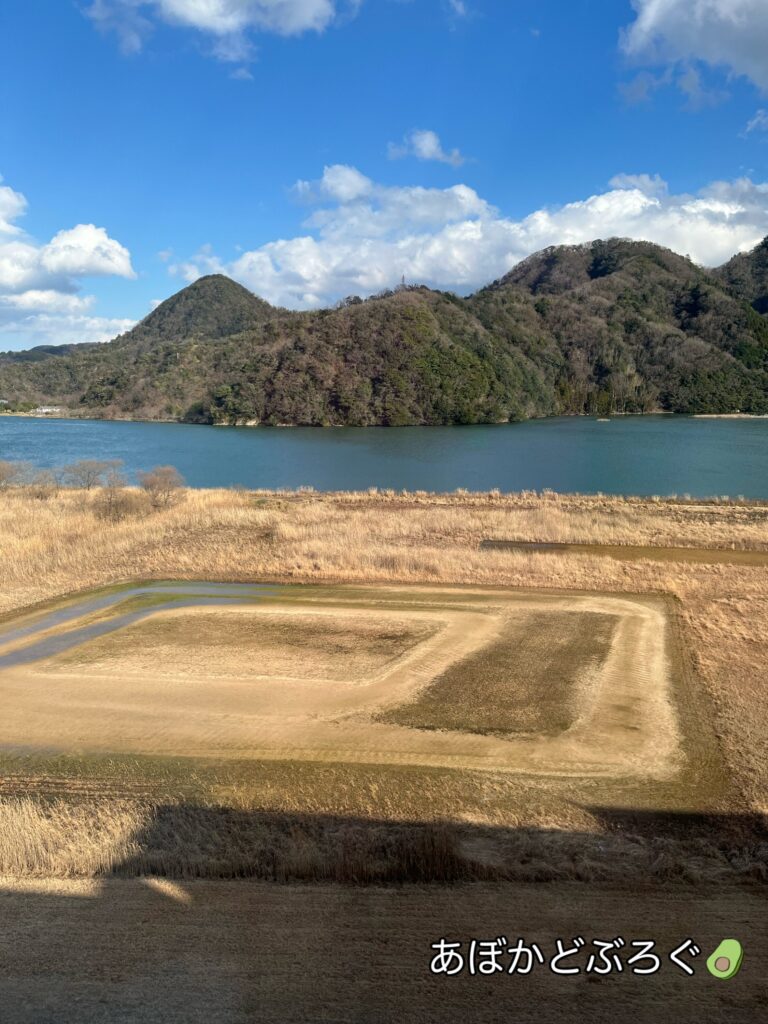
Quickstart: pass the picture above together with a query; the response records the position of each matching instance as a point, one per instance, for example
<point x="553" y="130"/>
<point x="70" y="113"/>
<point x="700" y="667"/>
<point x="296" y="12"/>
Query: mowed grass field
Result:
<point x="350" y="675"/>
<point x="679" y="825"/>
<point x="555" y="657"/>
<point x="215" y="643"/>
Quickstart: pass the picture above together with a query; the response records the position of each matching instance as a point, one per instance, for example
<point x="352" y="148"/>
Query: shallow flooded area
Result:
<point x="633" y="552"/>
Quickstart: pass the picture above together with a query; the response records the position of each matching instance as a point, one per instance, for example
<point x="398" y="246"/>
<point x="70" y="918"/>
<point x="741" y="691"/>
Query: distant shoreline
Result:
<point x="43" y="416"/>
<point x="74" y="416"/>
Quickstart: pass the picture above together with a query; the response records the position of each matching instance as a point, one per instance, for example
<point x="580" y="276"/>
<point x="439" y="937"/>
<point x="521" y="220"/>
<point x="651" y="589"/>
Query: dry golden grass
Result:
<point x="58" y="545"/>
<point x="49" y="548"/>
<point x="227" y="644"/>
<point x="65" y="838"/>
<point x="97" y="838"/>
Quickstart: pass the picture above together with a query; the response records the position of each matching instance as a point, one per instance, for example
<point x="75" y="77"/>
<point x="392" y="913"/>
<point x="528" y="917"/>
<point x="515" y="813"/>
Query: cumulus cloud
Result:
<point x="13" y="205"/>
<point x="228" y="22"/>
<point x="40" y="282"/>
<point x="50" y="329"/>
<point x="730" y="34"/>
<point x="363" y="236"/>
<point x="424" y="145"/>
<point x="86" y="249"/>
<point x="339" y="181"/>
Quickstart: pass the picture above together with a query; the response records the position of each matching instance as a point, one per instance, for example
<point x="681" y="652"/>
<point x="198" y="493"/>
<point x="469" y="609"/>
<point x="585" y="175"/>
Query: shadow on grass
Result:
<point x="196" y="946"/>
<point x="194" y="841"/>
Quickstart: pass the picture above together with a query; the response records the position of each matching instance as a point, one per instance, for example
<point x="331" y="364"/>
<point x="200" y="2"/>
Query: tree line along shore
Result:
<point x="607" y="328"/>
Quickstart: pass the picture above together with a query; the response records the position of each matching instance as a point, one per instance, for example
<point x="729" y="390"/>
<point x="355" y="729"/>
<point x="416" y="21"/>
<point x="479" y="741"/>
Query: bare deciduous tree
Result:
<point x="88" y="473"/>
<point x="162" y="485"/>
<point x="12" y="472"/>
<point x="44" y="484"/>
<point x="116" y="501"/>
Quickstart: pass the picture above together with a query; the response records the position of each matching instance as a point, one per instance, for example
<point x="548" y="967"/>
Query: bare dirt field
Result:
<point x="161" y="952"/>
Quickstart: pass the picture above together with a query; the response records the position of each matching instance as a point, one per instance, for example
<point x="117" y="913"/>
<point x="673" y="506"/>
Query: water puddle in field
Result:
<point x="633" y="553"/>
<point x="159" y="597"/>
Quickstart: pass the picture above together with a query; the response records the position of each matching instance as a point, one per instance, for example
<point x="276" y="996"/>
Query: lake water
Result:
<point x="640" y="455"/>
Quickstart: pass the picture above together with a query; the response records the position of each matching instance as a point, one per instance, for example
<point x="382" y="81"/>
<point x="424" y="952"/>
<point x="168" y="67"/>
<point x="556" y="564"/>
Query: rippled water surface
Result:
<point x="642" y="455"/>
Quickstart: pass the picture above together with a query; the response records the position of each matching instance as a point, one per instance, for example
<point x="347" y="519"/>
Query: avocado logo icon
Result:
<point x="726" y="960"/>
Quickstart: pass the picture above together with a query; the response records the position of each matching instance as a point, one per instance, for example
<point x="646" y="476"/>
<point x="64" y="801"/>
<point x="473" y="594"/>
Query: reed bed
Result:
<point x="62" y="543"/>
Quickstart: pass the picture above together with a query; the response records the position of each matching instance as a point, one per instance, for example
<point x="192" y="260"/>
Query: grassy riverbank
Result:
<point x="614" y="853"/>
<point x="63" y="543"/>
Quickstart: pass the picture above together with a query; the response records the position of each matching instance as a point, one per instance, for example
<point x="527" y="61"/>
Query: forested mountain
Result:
<point x="611" y="326"/>
<point x="747" y="276"/>
<point x="629" y="327"/>
<point x="214" y="307"/>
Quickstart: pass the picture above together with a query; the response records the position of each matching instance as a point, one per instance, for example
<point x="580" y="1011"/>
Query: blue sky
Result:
<point x="318" y="148"/>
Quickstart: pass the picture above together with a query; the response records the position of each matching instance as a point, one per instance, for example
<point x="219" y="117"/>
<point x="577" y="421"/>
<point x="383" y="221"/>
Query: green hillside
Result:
<point x="746" y="275"/>
<point x="612" y="326"/>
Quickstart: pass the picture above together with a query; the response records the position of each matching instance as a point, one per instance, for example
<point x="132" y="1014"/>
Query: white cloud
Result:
<point x="86" y="249"/>
<point x="229" y="22"/>
<point x="48" y="329"/>
<point x="731" y="34"/>
<point x="227" y="17"/>
<point x="339" y="181"/>
<point x="124" y="18"/>
<point x="13" y="205"/>
<point x="48" y="300"/>
<point x="20" y="266"/>
<point x="234" y="49"/>
<point x="424" y="145"/>
<point x="759" y="122"/>
<point x="364" y="237"/>
<point x="39" y="283"/>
